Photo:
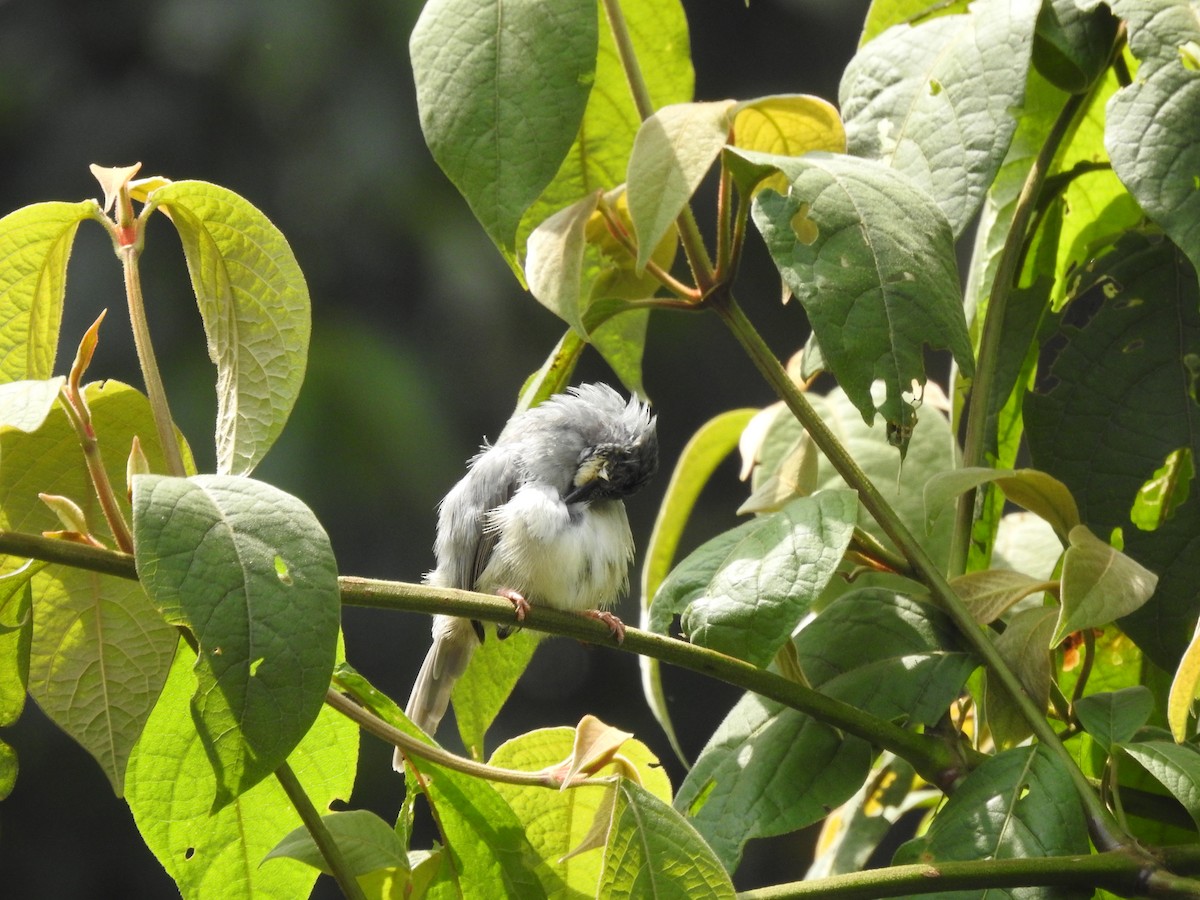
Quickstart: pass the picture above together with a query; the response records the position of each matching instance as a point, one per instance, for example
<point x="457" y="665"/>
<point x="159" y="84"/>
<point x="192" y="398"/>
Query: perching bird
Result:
<point x="539" y="518"/>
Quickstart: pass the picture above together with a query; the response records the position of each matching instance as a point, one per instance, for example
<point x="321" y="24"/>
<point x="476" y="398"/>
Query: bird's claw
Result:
<point x="520" y="604"/>
<point x="615" y="625"/>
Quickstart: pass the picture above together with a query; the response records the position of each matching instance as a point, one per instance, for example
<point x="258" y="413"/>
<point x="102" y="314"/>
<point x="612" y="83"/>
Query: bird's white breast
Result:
<point x="572" y="559"/>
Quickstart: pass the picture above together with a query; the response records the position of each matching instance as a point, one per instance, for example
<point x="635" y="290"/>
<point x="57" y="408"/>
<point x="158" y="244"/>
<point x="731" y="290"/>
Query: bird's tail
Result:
<point x="454" y="640"/>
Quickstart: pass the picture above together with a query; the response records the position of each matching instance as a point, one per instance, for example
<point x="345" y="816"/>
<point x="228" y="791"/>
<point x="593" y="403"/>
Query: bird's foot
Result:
<point x="615" y="625"/>
<point x="520" y="604"/>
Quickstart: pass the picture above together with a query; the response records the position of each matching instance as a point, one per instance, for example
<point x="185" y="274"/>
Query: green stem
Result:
<point x="1115" y="871"/>
<point x="330" y="851"/>
<point x="932" y="758"/>
<point x="978" y="411"/>
<point x="155" y="392"/>
<point x="689" y="231"/>
<point x="81" y="422"/>
<point x="1105" y="829"/>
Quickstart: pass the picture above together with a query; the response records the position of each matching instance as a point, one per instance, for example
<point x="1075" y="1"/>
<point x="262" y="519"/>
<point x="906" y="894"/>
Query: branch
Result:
<point x="937" y="762"/>
<point x="1115" y="870"/>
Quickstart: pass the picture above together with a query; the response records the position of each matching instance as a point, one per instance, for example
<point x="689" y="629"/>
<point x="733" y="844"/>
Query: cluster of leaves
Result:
<point x="903" y="636"/>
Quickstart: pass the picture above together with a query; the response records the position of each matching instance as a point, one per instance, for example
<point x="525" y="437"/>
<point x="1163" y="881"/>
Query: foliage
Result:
<point x="1027" y="710"/>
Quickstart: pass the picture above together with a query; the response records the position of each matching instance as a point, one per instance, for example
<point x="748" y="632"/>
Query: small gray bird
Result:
<point x="539" y="518"/>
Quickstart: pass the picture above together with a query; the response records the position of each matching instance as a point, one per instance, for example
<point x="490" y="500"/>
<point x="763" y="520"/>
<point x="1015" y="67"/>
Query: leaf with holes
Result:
<point x="1116" y="394"/>
<point x="249" y="571"/>
<point x="935" y="100"/>
<point x="872" y="261"/>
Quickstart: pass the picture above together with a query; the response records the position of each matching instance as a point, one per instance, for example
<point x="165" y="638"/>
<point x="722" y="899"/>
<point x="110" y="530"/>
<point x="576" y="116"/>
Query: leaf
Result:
<point x="883" y="14"/>
<point x="100" y="651"/>
<point x="366" y="841"/>
<point x="1025" y="647"/>
<point x="249" y="571"/>
<point x="706" y="449"/>
<point x="872" y="261"/>
<point x="1165" y="491"/>
<point x="934" y="100"/>
<point x="1114" y="397"/>
<point x="1099" y="584"/>
<point x="1072" y="47"/>
<point x="788" y="125"/>
<point x="1036" y="491"/>
<point x="744" y="592"/>
<point x="886" y="654"/>
<point x="1115" y="717"/>
<point x="1153" y="142"/>
<point x="1184" y="688"/>
<point x="673" y="151"/>
<point x="1175" y="766"/>
<point x="1019" y="803"/>
<point x="491" y="675"/>
<point x="16" y="629"/>
<point x="768" y="770"/>
<point x="489" y="849"/>
<point x="172" y="783"/>
<point x="255" y="306"/>
<point x="653" y="852"/>
<point x="556" y="822"/>
<point x="501" y="91"/>
<point x="24" y="405"/>
<point x="554" y="260"/>
<point x="598" y="158"/>
<point x="989" y="593"/>
<point x="35" y="244"/>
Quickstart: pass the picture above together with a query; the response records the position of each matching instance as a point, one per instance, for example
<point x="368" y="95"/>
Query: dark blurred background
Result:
<point x="421" y="336"/>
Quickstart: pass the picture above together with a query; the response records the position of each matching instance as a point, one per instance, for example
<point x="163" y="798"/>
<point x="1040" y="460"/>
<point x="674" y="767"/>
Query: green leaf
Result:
<point x="768" y="770"/>
<point x="653" y="852"/>
<point x="501" y="92"/>
<point x="706" y="449"/>
<point x="887" y="654"/>
<point x="599" y="155"/>
<point x="556" y="822"/>
<point x="171" y="786"/>
<point x="491" y="675"/>
<point x="1025" y="647"/>
<point x="884" y="14"/>
<point x="555" y="258"/>
<point x="673" y="151"/>
<point x="1153" y="142"/>
<point x="1115" y="717"/>
<point x="1165" y="491"/>
<point x="35" y="244"/>
<point x="1072" y="47"/>
<point x="1036" y="491"/>
<point x="366" y="841"/>
<point x="1099" y="584"/>
<point x="8" y="770"/>
<point x="100" y="651"/>
<point x="900" y="482"/>
<point x="16" y="629"/>
<point x="989" y="593"/>
<point x="1175" y="766"/>
<point x="1115" y="396"/>
<point x="255" y="306"/>
<point x="743" y="593"/>
<point x="1019" y="803"/>
<point x="872" y="261"/>
<point x="1184" y="687"/>
<point x="935" y="100"/>
<point x="24" y="405"/>
<point x="788" y="125"/>
<point x="249" y="571"/>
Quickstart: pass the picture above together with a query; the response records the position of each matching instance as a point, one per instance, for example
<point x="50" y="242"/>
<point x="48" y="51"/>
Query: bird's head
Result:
<point x="621" y="461"/>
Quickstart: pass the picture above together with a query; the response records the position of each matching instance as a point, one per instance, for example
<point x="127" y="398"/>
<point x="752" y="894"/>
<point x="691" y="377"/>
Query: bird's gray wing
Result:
<point x="464" y="543"/>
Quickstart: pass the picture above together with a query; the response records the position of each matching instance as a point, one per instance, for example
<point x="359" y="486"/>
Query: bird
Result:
<point x="539" y="518"/>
